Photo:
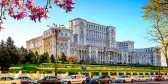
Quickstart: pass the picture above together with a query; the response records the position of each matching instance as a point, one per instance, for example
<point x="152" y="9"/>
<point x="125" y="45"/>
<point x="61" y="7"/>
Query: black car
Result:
<point x="24" y="79"/>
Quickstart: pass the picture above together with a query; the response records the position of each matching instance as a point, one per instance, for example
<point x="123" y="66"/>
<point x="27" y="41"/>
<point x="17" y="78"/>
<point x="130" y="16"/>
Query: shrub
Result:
<point x="113" y="73"/>
<point x="128" y="73"/>
<point x="135" y="73"/>
<point x="140" y="73"/>
<point x="121" y="73"/>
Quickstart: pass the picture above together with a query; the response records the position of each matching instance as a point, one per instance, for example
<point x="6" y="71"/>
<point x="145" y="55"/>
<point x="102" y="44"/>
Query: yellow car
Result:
<point x="9" y="80"/>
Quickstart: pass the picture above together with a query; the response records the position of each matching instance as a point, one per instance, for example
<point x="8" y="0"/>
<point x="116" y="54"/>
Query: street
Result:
<point x="149" y="82"/>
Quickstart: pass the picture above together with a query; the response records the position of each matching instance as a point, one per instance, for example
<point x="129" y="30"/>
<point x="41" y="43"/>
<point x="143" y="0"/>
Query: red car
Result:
<point x="159" y="78"/>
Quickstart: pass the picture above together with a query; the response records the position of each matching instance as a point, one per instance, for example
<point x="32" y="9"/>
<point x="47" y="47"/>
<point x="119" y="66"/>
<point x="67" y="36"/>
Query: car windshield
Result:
<point x="6" y="78"/>
<point x="122" y="76"/>
<point x="98" y="77"/>
<point x="42" y="78"/>
<point x="69" y="77"/>
<point x="138" y="76"/>
<point x="23" y="78"/>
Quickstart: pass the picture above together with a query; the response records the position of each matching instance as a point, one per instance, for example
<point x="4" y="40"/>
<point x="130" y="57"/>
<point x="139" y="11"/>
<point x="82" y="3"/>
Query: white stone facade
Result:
<point x="126" y="45"/>
<point x="95" y="43"/>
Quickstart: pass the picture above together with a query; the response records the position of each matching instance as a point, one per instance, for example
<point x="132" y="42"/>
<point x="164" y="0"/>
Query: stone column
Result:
<point x="68" y="48"/>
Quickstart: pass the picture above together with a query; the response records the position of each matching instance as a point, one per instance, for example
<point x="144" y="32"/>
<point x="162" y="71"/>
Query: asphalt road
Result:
<point x="149" y="82"/>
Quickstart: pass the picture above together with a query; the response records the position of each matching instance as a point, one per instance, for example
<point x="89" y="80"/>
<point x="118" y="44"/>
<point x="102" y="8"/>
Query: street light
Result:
<point x="57" y="31"/>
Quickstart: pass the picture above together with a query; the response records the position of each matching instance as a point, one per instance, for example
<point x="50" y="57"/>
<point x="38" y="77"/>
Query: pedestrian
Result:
<point x="88" y="79"/>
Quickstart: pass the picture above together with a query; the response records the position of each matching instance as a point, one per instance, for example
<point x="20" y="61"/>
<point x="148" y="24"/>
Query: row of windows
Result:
<point x="96" y="27"/>
<point x="96" y="36"/>
<point x="92" y="31"/>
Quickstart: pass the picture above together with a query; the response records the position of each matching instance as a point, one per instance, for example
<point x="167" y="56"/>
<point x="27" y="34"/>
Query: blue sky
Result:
<point x="125" y="15"/>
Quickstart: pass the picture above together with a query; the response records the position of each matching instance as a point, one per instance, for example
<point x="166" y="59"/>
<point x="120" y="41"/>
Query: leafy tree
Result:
<point x="69" y="59"/>
<point x="43" y="58"/>
<point x="37" y="57"/>
<point x="75" y="59"/>
<point x="22" y="54"/>
<point x="48" y="58"/>
<point x="63" y="57"/>
<point x="156" y="13"/>
<point x="19" y="9"/>
<point x="52" y="58"/>
<point x="30" y="57"/>
<point x="12" y="50"/>
<point x="4" y="57"/>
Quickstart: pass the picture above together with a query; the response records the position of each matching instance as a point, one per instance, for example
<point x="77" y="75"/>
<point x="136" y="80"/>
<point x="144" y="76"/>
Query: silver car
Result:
<point x="124" y="79"/>
<point x="72" y="79"/>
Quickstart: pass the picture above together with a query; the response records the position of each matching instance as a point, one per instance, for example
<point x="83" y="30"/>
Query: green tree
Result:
<point x="75" y="59"/>
<point x="12" y="50"/>
<point x="63" y="57"/>
<point x="156" y="13"/>
<point x="43" y="58"/>
<point x="30" y="57"/>
<point x="22" y="54"/>
<point x="4" y="57"/>
<point x="37" y="57"/>
<point x="48" y="57"/>
<point x="52" y="58"/>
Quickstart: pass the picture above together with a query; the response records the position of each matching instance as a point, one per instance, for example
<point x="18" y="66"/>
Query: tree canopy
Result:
<point x="156" y="13"/>
<point x="19" y="9"/>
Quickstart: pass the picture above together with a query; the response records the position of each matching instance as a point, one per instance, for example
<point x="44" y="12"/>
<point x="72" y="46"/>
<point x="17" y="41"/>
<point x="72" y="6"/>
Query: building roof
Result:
<point x="91" y="22"/>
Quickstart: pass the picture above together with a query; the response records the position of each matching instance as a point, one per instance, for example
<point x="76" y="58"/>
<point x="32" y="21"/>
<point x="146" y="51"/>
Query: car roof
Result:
<point x="6" y="76"/>
<point x="24" y="76"/>
<point x="51" y="76"/>
<point x="77" y="75"/>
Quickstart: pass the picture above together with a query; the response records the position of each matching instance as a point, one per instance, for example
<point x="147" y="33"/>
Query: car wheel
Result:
<point x="99" y="82"/>
<point x="132" y="81"/>
<point x="83" y="82"/>
<point x="110" y="81"/>
<point x="69" y="82"/>
<point x="124" y="81"/>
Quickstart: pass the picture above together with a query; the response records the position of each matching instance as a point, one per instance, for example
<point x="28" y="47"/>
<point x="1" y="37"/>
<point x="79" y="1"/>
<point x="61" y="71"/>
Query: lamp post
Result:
<point x="57" y="31"/>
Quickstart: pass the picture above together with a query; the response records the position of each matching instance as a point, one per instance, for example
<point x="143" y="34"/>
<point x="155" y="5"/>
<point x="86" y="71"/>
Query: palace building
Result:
<point x="92" y="42"/>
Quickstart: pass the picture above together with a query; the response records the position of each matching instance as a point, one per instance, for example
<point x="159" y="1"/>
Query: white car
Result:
<point x="166" y="78"/>
<point x="74" y="79"/>
<point x="124" y="79"/>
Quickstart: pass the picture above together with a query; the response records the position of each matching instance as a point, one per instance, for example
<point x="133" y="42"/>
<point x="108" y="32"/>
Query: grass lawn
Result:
<point x="75" y="68"/>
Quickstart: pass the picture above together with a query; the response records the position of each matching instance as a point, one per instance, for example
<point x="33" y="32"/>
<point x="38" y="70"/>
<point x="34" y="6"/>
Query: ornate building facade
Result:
<point x="92" y="42"/>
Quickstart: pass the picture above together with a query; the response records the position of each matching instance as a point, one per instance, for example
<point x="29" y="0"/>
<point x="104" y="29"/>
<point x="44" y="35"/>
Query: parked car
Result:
<point x="24" y="79"/>
<point x="166" y="78"/>
<point x="148" y="78"/>
<point x="152" y="77"/>
<point x="8" y="80"/>
<point x="158" y="78"/>
<point x="124" y="79"/>
<point x="101" y="79"/>
<point x="48" y="80"/>
<point x="72" y="79"/>
<point x="140" y="78"/>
